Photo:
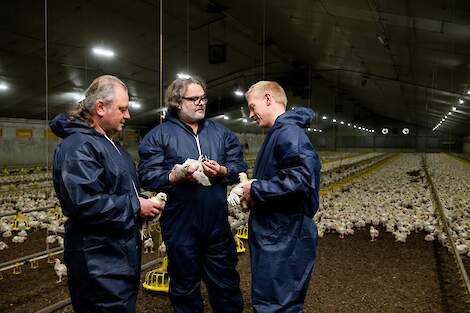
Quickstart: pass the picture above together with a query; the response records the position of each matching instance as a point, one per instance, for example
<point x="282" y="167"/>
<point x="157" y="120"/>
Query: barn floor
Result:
<point x="351" y="274"/>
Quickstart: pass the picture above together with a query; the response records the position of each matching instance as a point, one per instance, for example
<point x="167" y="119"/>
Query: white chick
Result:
<point x="162" y="249"/>
<point x="191" y="166"/>
<point x="160" y="199"/>
<point x="60" y="270"/>
<point x="148" y="245"/>
<point x="374" y="233"/>
<point x="3" y="245"/>
<point x="60" y="241"/>
<point x="18" y="239"/>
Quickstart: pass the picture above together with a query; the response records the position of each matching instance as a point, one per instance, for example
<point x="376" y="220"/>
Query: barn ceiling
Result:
<point x="357" y="60"/>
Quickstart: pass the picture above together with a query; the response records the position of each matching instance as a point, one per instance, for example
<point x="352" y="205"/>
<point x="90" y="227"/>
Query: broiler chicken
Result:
<point x="60" y="269"/>
<point x="193" y="167"/>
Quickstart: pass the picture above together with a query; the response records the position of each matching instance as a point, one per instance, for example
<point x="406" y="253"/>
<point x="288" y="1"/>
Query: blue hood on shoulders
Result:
<point x="63" y="125"/>
<point x="300" y="116"/>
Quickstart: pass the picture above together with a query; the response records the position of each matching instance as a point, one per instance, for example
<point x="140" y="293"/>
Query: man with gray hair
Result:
<point x="96" y="183"/>
<point x="194" y="224"/>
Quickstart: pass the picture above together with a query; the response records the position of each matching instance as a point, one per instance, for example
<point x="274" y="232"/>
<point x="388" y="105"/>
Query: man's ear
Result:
<point x="269" y="99"/>
<point x="100" y="108"/>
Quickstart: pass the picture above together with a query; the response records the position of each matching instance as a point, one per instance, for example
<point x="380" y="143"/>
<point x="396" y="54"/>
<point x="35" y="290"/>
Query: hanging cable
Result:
<point x="46" y="131"/>
<point x="161" y="62"/>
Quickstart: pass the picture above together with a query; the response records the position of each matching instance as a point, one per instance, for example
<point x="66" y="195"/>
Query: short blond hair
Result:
<point x="273" y="88"/>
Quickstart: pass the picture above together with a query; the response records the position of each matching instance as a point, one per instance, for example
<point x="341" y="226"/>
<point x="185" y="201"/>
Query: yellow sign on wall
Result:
<point x="24" y="133"/>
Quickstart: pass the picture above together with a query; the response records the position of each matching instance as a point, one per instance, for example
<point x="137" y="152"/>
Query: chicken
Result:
<point x="193" y="167"/>
<point x="160" y="199"/>
<point x="18" y="239"/>
<point x="162" y="249"/>
<point x="60" y="269"/>
<point x="374" y="233"/>
<point x="3" y="245"/>
<point x="148" y="245"/>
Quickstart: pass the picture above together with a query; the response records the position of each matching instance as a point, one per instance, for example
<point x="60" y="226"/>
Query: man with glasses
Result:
<point x="194" y="224"/>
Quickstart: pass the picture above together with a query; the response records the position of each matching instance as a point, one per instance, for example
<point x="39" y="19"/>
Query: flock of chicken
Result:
<point x="396" y="198"/>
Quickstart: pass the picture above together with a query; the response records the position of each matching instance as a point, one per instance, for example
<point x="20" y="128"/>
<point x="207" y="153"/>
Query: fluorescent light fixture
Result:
<point x="334" y="120"/>
<point x="183" y="76"/>
<point x="225" y="117"/>
<point x="135" y="104"/>
<point x="238" y="93"/>
<point x="103" y="52"/>
<point x="3" y="86"/>
<point x="324" y="117"/>
<point x="461" y="101"/>
<point x="78" y="96"/>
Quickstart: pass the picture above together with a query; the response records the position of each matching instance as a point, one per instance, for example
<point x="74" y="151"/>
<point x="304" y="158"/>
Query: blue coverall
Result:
<point x="194" y="223"/>
<point x="96" y="184"/>
<point x="282" y="234"/>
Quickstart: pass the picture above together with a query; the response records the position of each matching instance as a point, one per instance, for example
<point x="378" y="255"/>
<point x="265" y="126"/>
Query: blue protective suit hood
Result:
<point x="301" y="117"/>
<point x="64" y="125"/>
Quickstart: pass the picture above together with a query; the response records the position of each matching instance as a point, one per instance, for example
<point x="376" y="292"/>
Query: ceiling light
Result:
<point x="450" y="113"/>
<point x="461" y="101"/>
<point x="354" y="126"/>
<point x="309" y="129"/>
<point x="238" y="93"/>
<point x="3" y="86"/>
<point x="183" y="76"/>
<point x="445" y="116"/>
<point x="245" y="120"/>
<point x="226" y="117"/>
<point x="468" y="92"/>
<point x="454" y="109"/>
<point x="349" y="124"/>
<point x="384" y="131"/>
<point x="342" y="123"/>
<point x="320" y="130"/>
<point x="324" y="117"/>
<point x="334" y="120"/>
<point x="314" y="129"/>
<point x="373" y="131"/>
<point x="77" y="96"/>
<point x="103" y="52"/>
<point x="405" y="131"/>
<point x="135" y="104"/>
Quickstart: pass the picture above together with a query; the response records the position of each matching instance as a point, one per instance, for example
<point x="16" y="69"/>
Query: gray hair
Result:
<point x="175" y="92"/>
<point x="101" y="89"/>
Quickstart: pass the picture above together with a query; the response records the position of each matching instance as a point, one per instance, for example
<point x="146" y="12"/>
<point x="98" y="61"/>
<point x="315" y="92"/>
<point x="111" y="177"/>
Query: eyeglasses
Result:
<point x="197" y="100"/>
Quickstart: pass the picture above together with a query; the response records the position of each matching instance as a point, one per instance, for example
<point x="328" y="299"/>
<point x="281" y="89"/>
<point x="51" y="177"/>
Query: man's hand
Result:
<point x="149" y="209"/>
<point x="214" y="169"/>
<point x="246" y="200"/>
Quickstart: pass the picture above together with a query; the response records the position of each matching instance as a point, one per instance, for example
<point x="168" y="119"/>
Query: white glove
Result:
<point x="235" y="194"/>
